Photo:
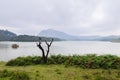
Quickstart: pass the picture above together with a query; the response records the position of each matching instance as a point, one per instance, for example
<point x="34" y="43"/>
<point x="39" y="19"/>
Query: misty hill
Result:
<point x="65" y="36"/>
<point x="29" y="38"/>
<point x="109" y="38"/>
<point x="116" y="40"/>
<point x="57" y="34"/>
<point x="6" y="35"/>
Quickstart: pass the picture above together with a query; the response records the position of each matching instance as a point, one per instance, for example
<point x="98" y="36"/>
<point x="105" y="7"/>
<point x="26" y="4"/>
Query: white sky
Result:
<point x="76" y="17"/>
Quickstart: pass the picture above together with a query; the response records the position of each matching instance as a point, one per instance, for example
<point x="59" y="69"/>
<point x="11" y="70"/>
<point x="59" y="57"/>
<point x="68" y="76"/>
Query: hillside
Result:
<point x="57" y="34"/>
<point x="29" y="38"/>
<point x="6" y="35"/>
<point x="65" y="36"/>
<point x="116" y="40"/>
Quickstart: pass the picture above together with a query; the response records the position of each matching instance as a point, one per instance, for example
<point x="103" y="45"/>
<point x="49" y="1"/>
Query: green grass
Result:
<point x="60" y="72"/>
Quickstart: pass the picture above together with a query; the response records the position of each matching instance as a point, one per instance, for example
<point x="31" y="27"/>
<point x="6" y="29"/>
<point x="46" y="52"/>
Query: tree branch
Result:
<point x="48" y="46"/>
<point x="45" y="56"/>
<point x="41" y="48"/>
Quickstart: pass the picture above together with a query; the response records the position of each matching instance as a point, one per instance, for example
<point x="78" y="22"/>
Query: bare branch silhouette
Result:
<point x="45" y="55"/>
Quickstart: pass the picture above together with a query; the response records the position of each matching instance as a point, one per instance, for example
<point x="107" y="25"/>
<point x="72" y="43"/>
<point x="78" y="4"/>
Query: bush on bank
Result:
<point x="91" y="61"/>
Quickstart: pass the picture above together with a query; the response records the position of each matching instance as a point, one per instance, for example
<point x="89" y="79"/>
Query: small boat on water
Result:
<point x="15" y="46"/>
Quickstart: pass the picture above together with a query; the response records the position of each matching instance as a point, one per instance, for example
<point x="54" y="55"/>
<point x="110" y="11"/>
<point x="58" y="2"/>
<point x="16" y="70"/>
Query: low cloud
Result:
<point x="77" y="17"/>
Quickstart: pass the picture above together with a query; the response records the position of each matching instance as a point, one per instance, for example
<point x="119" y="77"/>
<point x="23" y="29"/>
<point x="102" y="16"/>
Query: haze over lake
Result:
<point x="62" y="47"/>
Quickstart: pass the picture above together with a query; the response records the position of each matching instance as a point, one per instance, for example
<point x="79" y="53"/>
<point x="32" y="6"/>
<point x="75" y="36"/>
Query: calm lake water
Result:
<point x="62" y="47"/>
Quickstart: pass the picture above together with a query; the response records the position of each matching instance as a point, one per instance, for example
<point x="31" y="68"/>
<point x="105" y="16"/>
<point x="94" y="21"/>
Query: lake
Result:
<point x="62" y="47"/>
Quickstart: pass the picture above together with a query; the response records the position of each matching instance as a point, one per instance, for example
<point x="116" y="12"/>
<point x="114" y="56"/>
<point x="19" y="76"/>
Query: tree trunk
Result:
<point x="44" y="56"/>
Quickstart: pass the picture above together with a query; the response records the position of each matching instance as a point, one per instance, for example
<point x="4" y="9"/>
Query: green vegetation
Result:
<point x="20" y="76"/>
<point x="89" y="61"/>
<point x="86" y="67"/>
<point x="13" y="75"/>
<point x="56" y="72"/>
<point x="23" y="61"/>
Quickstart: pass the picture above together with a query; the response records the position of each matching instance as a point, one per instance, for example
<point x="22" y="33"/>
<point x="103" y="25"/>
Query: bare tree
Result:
<point x="44" y="53"/>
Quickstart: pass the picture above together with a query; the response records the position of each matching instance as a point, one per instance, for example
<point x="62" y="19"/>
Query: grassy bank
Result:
<point x="58" y="67"/>
<point x="61" y="72"/>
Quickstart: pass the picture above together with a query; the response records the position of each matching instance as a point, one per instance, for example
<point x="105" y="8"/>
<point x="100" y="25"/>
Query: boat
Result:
<point x="15" y="45"/>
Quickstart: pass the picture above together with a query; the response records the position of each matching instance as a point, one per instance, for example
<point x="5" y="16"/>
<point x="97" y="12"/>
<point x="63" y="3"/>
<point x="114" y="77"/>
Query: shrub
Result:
<point x="57" y="59"/>
<point x="86" y="77"/>
<point x="118" y="74"/>
<point x="23" y="61"/>
<point x="37" y="60"/>
<point x="20" y="76"/>
<point x="87" y="61"/>
<point x="13" y="75"/>
<point x="101" y="78"/>
<point x="5" y="73"/>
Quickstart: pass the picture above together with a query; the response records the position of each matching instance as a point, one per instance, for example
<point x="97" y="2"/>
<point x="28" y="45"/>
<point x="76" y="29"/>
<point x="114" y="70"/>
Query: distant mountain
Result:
<point x="6" y="35"/>
<point x="116" y="40"/>
<point x="57" y="34"/>
<point x="109" y="38"/>
<point x="65" y="36"/>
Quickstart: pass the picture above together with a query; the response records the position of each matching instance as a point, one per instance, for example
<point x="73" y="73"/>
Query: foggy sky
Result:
<point x="76" y="17"/>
